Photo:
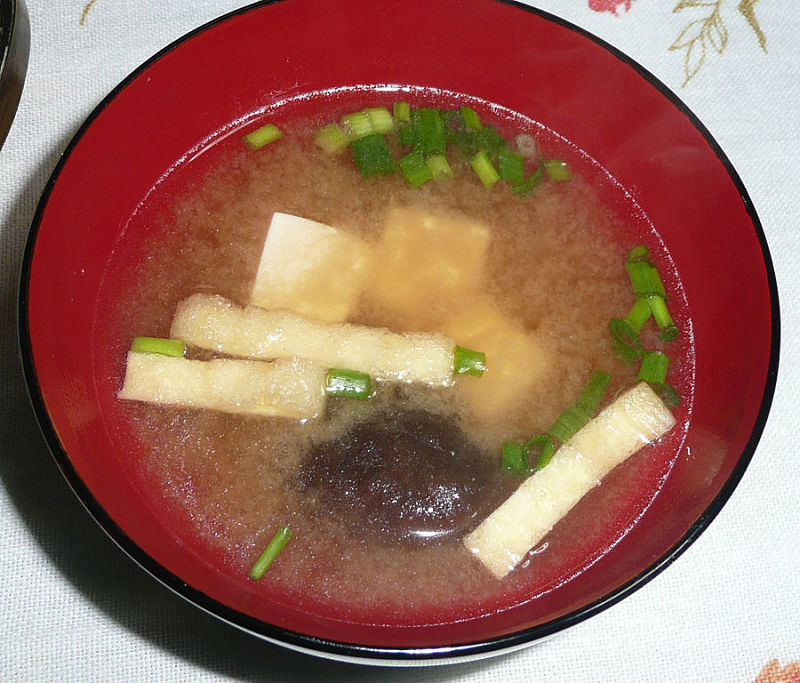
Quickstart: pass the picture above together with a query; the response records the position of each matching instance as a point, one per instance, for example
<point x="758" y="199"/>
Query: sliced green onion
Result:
<point x="483" y="168"/>
<point x="557" y="169"/>
<point x="358" y="124"/>
<point x="381" y="120"/>
<point x="654" y="367"/>
<point x="401" y="112"/>
<point x="453" y="120"/>
<point x="625" y="340"/>
<point x="262" y="136"/>
<point x="591" y="395"/>
<point x="406" y="135"/>
<point x="465" y="141"/>
<point x="331" y="138"/>
<point x="568" y="423"/>
<point x="165" y="347"/>
<point x="539" y="451"/>
<point x="530" y="184"/>
<point x="470" y="118"/>
<point x="429" y="130"/>
<point x="414" y="169"/>
<point x="580" y="412"/>
<point x="439" y="166"/>
<point x="639" y="253"/>
<point x="490" y="141"/>
<point x="670" y="333"/>
<point x="668" y="394"/>
<point x="278" y="543"/>
<point x="662" y="317"/>
<point x="645" y="279"/>
<point x="511" y="166"/>
<point x="372" y="155"/>
<point x="468" y="362"/>
<point x="514" y="458"/>
<point x="349" y="383"/>
<point x="639" y="314"/>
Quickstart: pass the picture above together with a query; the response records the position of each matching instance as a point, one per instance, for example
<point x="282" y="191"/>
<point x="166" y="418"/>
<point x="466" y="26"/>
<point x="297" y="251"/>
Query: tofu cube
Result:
<point x="426" y="264"/>
<point x="515" y="360"/>
<point x="311" y="268"/>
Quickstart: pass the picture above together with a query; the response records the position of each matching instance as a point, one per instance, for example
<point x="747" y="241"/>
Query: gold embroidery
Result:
<point x="746" y="8"/>
<point x="86" y="11"/>
<point x="698" y="34"/>
<point x="709" y="31"/>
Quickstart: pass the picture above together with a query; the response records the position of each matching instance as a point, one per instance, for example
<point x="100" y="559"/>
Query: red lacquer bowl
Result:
<point x="148" y="139"/>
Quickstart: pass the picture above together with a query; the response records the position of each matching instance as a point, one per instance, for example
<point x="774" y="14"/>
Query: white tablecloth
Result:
<point x="73" y="607"/>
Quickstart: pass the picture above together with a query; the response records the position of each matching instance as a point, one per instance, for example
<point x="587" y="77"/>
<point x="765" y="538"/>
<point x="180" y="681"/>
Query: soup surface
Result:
<point x="379" y="493"/>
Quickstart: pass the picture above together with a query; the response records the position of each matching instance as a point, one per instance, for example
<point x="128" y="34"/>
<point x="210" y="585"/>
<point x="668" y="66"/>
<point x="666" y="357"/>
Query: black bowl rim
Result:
<point x="345" y="651"/>
<point x="14" y="51"/>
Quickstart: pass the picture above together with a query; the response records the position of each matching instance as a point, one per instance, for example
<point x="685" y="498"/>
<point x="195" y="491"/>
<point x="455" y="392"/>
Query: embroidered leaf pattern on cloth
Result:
<point x="705" y="33"/>
<point x="708" y="32"/>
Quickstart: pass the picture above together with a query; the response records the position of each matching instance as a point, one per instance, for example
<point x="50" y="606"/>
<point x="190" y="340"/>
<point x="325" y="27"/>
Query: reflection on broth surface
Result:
<point x="380" y="493"/>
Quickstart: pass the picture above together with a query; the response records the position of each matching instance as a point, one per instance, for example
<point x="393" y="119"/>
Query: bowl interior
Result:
<point x="160" y="131"/>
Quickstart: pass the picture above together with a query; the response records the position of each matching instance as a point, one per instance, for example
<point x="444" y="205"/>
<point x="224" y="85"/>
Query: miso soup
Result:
<point x="379" y="493"/>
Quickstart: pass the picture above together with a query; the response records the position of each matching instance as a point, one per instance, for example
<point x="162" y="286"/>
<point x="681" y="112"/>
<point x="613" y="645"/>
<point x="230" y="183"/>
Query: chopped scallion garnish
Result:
<point x="433" y="133"/>
<point x="654" y="367"/>
<point x="539" y="451"/>
<point x="625" y="340"/>
<point x="591" y="395"/>
<point x="358" y="124"/>
<point x="645" y="279"/>
<point x="662" y="317"/>
<point x="514" y="458"/>
<point x="331" y="138"/>
<point x="381" y="120"/>
<point x="165" y="347"/>
<point x="639" y="253"/>
<point x="278" y="543"/>
<point x="468" y="362"/>
<point x="557" y="170"/>
<point x="372" y="155"/>
<point x="414" y="169"/>
<point x="401" y="112"/>
<point x="639" y="314"/>
<point x="511" y="166"/>
<point x="490" y="141"/>
<point x="568" y="423"/>
<point x="483" y="168"/>
<point x="429" y="130"/>
<point x="470" y="118"/>
<point x="584" y="408"/>
<point x="349" y="383"/>
<point x="262" y="136"/>
<point x="439" y="166"/>
<point x="406" y="134"/>
<point x="531" y="183"/>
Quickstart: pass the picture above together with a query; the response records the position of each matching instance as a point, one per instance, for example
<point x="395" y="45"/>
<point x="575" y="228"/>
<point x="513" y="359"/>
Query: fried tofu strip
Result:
<point x="506" y="536"/>
<point x="215" y="323"/>
<point x="285" y="387"/>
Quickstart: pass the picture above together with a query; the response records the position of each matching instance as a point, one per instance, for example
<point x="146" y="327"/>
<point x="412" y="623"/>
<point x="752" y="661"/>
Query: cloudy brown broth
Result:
<point x="554" y="267"/>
